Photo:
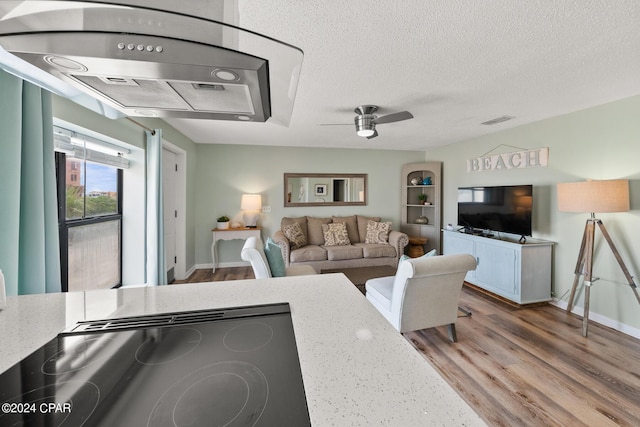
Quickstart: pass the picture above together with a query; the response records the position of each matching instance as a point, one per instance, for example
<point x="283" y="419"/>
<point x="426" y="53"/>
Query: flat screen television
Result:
<point x="504" y="209"/>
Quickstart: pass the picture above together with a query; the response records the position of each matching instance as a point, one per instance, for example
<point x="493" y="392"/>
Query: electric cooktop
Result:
<point x="225" y="367"/>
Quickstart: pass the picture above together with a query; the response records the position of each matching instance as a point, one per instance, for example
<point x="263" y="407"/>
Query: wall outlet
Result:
<point x="266" y="209"/>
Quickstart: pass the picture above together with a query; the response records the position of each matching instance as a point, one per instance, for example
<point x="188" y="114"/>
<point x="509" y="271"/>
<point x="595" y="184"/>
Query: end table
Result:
<point x="231" y="234"/>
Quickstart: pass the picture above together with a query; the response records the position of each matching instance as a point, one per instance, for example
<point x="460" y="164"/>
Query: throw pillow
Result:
<point x="296" y="237"/>
<point x="377" y="232"/>
<point x="302" y="220"/>
<point x="363" y="221"/>
<point x="431" y="253"/>
<point x="335" y="234"/>
<point x="274" y="258"/>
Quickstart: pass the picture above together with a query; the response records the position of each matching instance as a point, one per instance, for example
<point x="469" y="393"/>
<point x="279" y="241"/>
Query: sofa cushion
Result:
<point x="300" y="220"/>
<point x="335" y="253"/>
<point x="308" y="253"/>
<point x="294" y="233"/>
<point x="377" y="250"/>
<point x="352" y="227"/>
<point x="274" y="258"/>
<point x="335" y="234"/>
<point x="315" y="235"/>
<point x="362" y="226"/>
<point x="377" y="232"/>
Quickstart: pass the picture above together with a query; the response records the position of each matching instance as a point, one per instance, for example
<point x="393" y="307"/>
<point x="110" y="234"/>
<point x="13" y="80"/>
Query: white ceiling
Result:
<point x="452" y="63"/>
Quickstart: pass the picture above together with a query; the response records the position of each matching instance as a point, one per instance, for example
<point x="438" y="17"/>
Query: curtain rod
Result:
<point x="153" y="132"/>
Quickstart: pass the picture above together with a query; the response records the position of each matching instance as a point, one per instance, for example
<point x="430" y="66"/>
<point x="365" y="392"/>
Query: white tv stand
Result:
<point x="518" y="272"/>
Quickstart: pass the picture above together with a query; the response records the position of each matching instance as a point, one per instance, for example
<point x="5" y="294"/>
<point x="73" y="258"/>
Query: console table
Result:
<point x="231" y="234"/>
<point x="518" y="272"/>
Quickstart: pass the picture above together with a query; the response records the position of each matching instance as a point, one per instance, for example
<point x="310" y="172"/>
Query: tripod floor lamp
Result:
<point x="594" y="197"/>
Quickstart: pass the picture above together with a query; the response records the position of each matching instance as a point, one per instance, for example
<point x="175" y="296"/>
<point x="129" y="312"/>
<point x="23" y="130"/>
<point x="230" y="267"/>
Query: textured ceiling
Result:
<point x="452" y="63"/>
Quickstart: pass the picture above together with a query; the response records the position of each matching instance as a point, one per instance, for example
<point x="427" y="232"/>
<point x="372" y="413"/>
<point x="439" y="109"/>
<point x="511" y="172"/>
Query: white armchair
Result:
<point x="424" y="293"/>
<point x="253" y="252"/>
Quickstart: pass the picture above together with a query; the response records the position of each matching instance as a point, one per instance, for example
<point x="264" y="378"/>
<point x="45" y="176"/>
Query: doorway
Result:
<point x="340" y="190"/>
<point x="174" y="210"/>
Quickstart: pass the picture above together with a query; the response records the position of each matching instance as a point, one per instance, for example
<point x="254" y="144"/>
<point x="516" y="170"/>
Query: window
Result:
<point x="89" y="213"/>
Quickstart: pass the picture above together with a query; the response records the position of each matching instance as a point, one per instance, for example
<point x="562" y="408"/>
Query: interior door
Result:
<point x="169" y="193"/>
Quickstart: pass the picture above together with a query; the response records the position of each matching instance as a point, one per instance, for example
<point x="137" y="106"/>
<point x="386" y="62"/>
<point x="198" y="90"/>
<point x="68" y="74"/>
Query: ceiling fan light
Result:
<point x="365" y="126"/>
<point x="365" y="132"/>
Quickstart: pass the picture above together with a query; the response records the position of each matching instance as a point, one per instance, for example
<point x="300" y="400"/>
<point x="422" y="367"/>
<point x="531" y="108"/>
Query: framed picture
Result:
<point x="321" y="189"/>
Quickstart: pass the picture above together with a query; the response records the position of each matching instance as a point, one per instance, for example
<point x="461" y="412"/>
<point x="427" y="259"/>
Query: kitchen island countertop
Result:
<point x="357" y="369"/>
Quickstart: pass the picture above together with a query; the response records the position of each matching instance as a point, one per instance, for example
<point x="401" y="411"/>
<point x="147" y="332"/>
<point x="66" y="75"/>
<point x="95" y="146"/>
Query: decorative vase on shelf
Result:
<point x="427" y="181"/>
<point x="422" y="220"/>
<point x="416" y="181"/>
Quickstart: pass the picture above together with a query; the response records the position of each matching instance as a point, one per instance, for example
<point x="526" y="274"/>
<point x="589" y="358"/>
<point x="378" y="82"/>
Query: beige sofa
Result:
<point x="356" y="250"/>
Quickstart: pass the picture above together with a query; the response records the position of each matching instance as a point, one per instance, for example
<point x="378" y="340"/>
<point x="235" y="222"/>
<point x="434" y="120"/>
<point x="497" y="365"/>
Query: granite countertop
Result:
<point x="357" y="369"/>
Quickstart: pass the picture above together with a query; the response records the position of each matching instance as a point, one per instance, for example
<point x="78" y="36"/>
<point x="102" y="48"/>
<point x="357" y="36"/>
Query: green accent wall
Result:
<point x="597" y="143"/>
<point x="225" y="172"/>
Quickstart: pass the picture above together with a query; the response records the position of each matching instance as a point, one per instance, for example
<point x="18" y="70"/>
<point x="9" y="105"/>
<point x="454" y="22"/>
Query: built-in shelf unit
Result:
<point x="414" y="211"/>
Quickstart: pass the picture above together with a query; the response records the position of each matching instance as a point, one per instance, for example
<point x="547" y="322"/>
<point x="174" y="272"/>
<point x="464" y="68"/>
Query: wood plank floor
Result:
<point x="526" y="366"/>
<point x="533" y="367"/>
<point x="206" y="275"/>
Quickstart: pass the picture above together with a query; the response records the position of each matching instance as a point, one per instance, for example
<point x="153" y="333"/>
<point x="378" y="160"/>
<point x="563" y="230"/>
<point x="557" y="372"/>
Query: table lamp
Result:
<point x="251" y="204"/>
<point x="593" y="197"/>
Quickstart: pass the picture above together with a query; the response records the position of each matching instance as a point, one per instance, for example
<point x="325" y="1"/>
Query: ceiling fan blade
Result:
<point x="393" y="117"/>
<point x="375" y="133"/>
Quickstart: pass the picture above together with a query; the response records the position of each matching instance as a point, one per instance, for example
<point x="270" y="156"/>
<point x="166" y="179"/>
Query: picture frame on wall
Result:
<point x="321" y="189"/>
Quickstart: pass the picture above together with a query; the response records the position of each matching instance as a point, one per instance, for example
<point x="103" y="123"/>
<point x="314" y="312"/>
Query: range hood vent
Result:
<point x="147" y="62"/>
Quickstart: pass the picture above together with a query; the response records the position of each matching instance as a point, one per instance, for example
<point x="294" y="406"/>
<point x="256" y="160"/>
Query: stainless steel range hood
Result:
<point x="148" y="62"/>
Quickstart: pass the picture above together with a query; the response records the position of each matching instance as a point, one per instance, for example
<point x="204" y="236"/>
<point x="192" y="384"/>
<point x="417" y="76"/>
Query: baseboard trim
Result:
<point x="598" y="318"/>
<point x="221" y="265"/>
<point x="190" y="271"/>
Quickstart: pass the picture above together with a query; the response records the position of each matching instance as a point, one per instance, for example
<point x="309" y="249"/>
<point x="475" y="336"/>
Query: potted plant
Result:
<point x="223" y="222"/>
<point x="422" y="198"/>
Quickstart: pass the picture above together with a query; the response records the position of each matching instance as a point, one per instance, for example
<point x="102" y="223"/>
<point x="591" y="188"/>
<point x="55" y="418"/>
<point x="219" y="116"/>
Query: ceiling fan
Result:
<point x="366" y="120"/>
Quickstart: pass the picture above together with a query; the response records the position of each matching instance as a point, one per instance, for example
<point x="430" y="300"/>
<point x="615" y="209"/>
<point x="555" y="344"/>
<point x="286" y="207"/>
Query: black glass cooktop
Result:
<point x="228" y="367"/>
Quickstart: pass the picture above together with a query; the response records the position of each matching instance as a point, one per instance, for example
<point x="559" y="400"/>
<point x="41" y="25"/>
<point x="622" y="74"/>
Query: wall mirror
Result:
<point x="325" y="189"/>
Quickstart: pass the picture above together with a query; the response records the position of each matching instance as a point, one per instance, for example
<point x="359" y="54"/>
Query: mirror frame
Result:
<point x="324" y="175"/>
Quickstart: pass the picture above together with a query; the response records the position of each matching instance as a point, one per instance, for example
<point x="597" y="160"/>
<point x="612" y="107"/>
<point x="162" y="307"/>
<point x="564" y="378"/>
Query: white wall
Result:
<point x="597" y="143"/>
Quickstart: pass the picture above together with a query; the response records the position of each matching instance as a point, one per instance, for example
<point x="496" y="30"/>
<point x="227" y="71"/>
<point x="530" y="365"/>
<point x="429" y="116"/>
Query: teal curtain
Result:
<point x="29" y="244"/>
<point x="156" y="261"/>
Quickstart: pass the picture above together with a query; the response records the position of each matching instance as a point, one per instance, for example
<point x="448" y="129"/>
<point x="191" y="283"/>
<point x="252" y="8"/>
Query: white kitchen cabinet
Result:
<point x="518" y="272"/>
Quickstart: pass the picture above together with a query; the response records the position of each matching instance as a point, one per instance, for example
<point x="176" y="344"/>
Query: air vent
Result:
<point x="207" y="86"/>
<point x="152" y="321"/>
<point x="171" y="319"/>
<point x="497" y="120"/>
<point x="120" y="81"/>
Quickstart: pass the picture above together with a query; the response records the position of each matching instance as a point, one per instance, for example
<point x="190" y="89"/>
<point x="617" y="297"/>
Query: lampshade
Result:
<point x="251" y="202"/>
<point x="594" y="196"/>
